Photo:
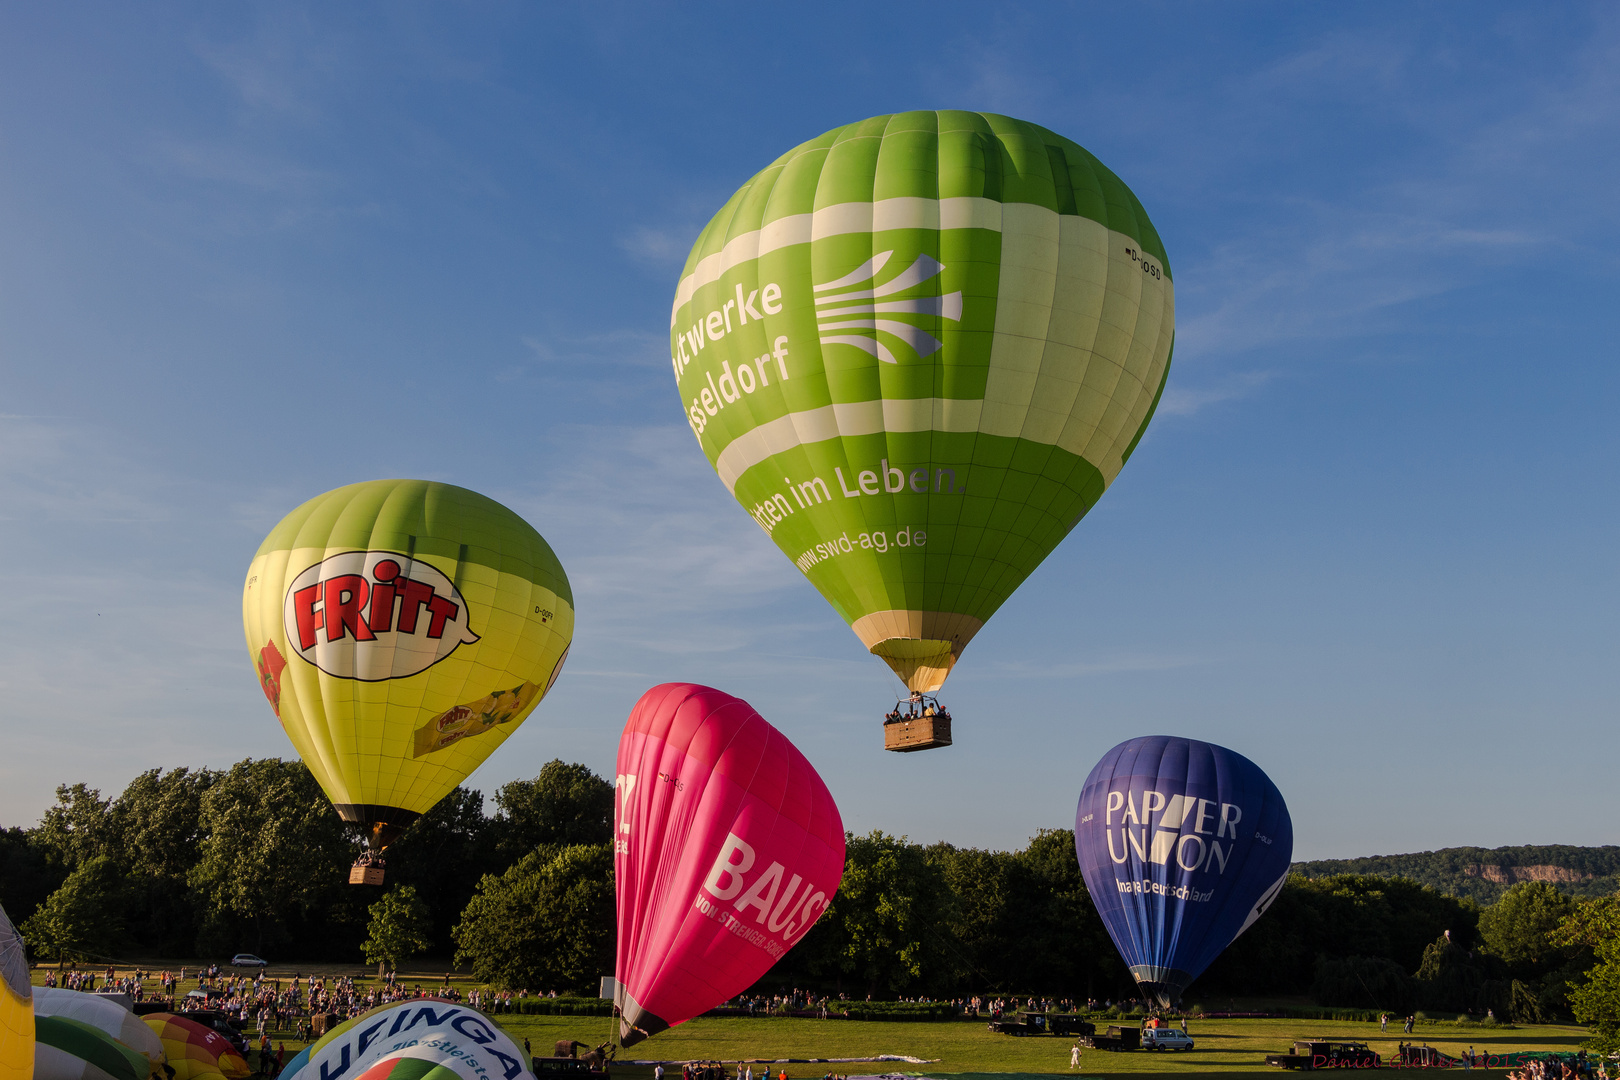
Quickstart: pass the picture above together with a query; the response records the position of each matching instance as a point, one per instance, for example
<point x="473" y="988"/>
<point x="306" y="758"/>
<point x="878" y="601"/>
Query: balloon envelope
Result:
<point x="100" y="1012"/>
<point x="1183" y="845"/>
<point x="728" y="847"/>
<point x="196" y="1052"/>
<point x="16" y="1005"/>
<point x="68" y="1049"/>
<point x="402" y="629"/>
<point x="917" y="349"/>
<point x="413" y="1040"/>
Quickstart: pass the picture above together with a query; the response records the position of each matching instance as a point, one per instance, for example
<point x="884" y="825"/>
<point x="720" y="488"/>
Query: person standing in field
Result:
<point x="1074" y="1055"/>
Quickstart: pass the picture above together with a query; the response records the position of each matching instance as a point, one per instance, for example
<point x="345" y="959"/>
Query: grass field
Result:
<point x="1224" y="1048"/>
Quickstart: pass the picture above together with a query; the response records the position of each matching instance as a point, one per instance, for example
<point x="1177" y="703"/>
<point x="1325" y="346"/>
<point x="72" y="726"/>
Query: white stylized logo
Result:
<point x="860" y="317"/>
<point x="374" y="615"/>
<point x="1189" y="829"/>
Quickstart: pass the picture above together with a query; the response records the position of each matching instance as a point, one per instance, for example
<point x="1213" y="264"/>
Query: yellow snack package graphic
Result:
<point x="473" y="718"/>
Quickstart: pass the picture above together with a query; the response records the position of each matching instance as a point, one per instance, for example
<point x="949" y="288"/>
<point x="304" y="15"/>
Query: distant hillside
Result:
<point x="1485" y="873"/>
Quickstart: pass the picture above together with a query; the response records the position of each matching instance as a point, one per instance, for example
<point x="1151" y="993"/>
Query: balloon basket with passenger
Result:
<point x="918" y="722"/>
<point x="367" y="870"/>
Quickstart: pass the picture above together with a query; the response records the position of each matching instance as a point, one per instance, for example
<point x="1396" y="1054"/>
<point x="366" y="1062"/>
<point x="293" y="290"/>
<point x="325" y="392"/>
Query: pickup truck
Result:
<point x="1326" y="1054"/>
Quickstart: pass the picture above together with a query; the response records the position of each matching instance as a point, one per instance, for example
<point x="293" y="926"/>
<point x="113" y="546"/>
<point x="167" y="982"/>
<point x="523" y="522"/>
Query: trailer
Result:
<point x="1035" y="1022"/>
<point x="1117" y="1039"/>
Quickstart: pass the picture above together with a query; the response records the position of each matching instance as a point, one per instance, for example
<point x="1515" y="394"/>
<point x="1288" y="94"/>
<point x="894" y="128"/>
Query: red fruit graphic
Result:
<point x="271" y="664"/>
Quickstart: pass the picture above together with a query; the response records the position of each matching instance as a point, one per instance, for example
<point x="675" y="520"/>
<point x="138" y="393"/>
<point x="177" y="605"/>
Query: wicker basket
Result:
<point x="365" y="875"/>
<point x="922" y="733"/>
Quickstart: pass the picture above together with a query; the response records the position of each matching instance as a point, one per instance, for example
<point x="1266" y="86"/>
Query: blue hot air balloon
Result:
<point x="1183" y="845"/>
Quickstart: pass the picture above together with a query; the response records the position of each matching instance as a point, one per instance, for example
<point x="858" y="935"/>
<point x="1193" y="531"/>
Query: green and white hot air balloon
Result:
<point x="917" y="350"/>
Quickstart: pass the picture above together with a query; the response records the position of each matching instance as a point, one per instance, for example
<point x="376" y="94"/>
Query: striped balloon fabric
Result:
<point x="16" y="1005"/>
<point x="103" y="1013"/>
<point x="67" y="1049"/>
<point x="409" y="1068"/>
<point x="195" y="1052"/>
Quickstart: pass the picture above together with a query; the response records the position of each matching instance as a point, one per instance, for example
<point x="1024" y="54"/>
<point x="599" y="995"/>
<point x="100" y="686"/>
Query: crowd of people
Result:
<point x="1578" y="1067"/>
<point x="716" y="1070"/>
<point x="799" y="1001"/>
<point x="133" y="984"/>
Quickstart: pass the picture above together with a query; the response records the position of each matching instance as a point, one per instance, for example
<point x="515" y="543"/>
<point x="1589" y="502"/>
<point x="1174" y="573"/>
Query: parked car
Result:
<point x="1166" y="1038"/>
<point x="243" y="959"/>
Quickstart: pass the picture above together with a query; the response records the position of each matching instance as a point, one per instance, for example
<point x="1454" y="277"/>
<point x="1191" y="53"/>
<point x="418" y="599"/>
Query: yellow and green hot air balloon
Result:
<point x="16" y="1005"/>
<point x="402" y="629"/>
<point x="917" y="350"/>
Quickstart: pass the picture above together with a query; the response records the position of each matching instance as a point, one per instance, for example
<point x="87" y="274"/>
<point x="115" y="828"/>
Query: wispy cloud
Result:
<point x="651" y="534"/>
<point x="665" y="248"/>
<point x="278" y="66"/>
<point x="622" y="346"/>
<point x="62" y="471"/>
<point x="234" y="165"/>
<point x="1469" y="199"/>
<point x="1182" y="400"/>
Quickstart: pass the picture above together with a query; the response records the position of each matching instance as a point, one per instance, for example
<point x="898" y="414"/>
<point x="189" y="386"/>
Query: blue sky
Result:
<point x="252" y="252"/>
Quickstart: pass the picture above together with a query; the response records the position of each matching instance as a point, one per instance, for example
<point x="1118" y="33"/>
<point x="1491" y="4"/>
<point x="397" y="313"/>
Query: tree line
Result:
<point x="252" y="858"/>
<point x="1486" y="873"/>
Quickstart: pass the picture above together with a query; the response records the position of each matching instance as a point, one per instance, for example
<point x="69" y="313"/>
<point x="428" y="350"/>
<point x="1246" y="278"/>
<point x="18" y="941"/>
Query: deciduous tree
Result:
<point x="399" y="929"/>
<point x="1596" y="999"/>
<point x="27" y="874"/>
<point x="565" y="804"/>
<point x="82" y="920"/>
<point x="546" y="923"/>
<point x="159" y="825"/>
<point x="273" y="850"/>
<point x="78" y="828"/>
<point x="1520" y="927"/>
<point x="444" y="856"/>
<point x="886" y="929"/>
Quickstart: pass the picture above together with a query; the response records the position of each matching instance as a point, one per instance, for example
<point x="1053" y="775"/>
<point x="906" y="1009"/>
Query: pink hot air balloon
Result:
<point x="728" y="848"/>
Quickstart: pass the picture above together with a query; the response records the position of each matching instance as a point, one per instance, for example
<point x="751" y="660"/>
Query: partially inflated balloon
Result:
<point x="103" y="1013"/>
<point x="402" y="629"/>
<point x="728" y="847"/>
<point x="421" y="1039"/>
<point x="1183" y="845"/>
<point x="196" y="1052"/>
<point x="67" y="1049"/>
<point x="917" y="349"/>
<point x="16" y="1005"/>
